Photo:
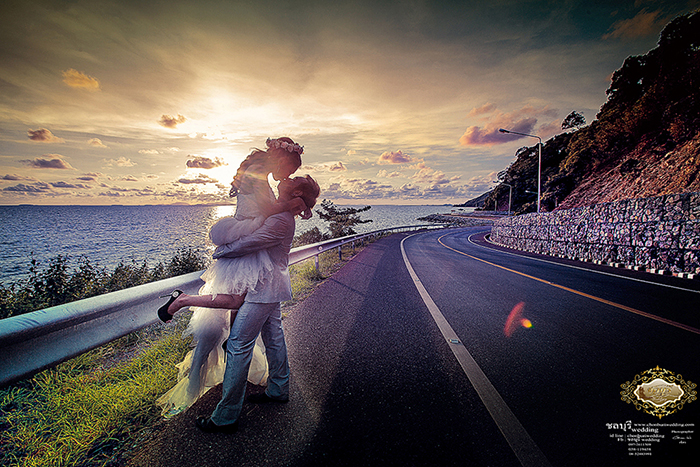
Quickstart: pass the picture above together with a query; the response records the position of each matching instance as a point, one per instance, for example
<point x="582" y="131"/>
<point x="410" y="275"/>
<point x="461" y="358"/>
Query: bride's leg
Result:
<point x="225" y="301"/>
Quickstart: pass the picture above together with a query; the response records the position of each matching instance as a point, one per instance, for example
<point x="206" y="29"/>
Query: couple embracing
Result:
<point x="236" y="322"/>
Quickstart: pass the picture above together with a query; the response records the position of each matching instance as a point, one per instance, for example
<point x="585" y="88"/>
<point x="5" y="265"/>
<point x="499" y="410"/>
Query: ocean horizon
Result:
<point x="110" y="234"/>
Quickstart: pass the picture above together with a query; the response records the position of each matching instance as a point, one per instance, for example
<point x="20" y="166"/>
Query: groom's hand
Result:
<point x="297" y="206"/>
<point x="220" y="251"/>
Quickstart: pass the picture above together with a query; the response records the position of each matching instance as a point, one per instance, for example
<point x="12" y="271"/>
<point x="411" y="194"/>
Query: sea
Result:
<point x="108" y="235"/>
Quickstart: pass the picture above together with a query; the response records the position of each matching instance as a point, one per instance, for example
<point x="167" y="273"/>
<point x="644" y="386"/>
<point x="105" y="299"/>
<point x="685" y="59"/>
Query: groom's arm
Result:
<point x="268" y="235"/>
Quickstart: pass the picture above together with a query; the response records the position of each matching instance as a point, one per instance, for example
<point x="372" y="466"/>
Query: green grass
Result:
<point x="86" y="411"/>
<point x="76" y="413"/>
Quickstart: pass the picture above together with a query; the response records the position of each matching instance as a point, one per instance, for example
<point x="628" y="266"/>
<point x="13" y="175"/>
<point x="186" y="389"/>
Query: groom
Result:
<point x="260" y="313"/>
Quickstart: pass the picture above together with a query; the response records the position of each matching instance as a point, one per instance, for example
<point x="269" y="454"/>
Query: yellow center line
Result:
<point x="577" y="292"/>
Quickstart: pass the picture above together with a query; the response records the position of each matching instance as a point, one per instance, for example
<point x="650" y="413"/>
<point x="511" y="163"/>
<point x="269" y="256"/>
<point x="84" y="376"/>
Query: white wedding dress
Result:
<point x="204" y="366"/>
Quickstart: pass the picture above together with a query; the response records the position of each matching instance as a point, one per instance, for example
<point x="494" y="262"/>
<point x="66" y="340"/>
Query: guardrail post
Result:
<point x="340" y="253"/>
<point x="316" y="263"/>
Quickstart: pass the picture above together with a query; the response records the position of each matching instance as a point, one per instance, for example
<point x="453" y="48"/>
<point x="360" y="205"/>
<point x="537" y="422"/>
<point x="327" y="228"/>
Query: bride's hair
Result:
<point x="258" y="156"/>
<point x="309" y="190"/>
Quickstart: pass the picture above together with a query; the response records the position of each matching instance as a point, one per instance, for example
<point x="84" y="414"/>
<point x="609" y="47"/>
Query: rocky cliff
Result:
<point x="645" y="140"/>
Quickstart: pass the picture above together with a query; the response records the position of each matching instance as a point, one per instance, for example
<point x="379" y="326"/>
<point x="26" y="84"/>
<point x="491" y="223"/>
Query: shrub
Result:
<point x="310" y="236"/>
<point x="58" y="284"/>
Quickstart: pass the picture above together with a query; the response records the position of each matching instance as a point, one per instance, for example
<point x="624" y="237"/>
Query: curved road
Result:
<point x="437" y="349"/>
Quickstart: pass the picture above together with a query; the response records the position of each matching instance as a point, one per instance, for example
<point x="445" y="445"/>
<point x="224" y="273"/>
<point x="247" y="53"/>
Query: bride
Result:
<point x="227" y="280"/>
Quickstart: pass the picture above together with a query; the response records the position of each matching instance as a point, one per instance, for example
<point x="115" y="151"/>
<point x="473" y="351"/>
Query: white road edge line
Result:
<point x="524" y="447"/>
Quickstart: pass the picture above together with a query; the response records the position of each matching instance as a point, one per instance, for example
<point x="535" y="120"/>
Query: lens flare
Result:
<point x="515" y="319"/>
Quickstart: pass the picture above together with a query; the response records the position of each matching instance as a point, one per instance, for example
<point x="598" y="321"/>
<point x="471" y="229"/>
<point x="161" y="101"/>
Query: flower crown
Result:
<point x="290" y="147"/>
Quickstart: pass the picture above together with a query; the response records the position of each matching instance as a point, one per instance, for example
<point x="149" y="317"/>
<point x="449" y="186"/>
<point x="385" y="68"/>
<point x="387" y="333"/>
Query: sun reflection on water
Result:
<point x="223" y="211"/>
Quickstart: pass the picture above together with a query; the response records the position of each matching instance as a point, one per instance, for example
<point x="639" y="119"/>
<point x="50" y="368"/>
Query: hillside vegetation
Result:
<point x="645" y="140"/>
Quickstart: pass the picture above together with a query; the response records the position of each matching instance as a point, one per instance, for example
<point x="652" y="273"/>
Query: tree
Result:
<point x="627" y="83"/>
<point x="573" y="120"/>
<point x="341" y="220"/>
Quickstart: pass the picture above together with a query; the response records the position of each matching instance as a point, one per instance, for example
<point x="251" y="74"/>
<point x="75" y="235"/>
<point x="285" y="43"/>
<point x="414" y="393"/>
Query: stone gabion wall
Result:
<point x="661" y="233"/>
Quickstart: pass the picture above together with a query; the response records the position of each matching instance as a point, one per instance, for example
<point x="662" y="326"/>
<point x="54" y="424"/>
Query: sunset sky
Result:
<point x="149" y="102"/>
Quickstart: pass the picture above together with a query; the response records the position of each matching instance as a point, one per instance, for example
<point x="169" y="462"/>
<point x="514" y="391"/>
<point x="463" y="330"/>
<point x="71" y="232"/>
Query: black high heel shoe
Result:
<point x="163" y="311"/>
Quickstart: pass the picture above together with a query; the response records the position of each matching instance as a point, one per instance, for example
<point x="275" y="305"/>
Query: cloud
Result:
<point x="201" y="179"/>
<point x="427" y="175"/>
<point x="481" y="184"/>
<point x="96" y="142"/>
<point x="121" y="162"/>
<point x="69" y="185"/>
<point x="523" y="120"/>
<point x="484" y="109"/>
<point x="22" y="188"/>
<point x="386" y="174"/>
<point x="49" y="161"/>
<point x="391" y="157"/>
<point x="89" y="177"/>
<point x="357" y="188"/>
<point x="168" y="121"/>
<point x="148" y="151"/>
<point x="15" y="177"/>
<point x="43" y="135"/>
<point x="200" y="162"/>
<point x="110" y="194"/>
<point x="425" y="184"/>
<point x="547" y="130"/>
<point x="77" y="79"/>
<point x="489" y="135"/>
<point x="337" y="167"/>
<point x="644" y="24"/>
<point x="410" y="191"/>
<point x="439" y="187"/>
<point x="120" y="191"/>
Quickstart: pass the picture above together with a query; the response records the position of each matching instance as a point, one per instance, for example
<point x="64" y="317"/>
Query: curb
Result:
<point x="660" y="272"/>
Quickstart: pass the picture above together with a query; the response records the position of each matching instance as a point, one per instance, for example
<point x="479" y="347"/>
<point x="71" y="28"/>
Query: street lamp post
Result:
<point x="539" y="169"/>
<point x="510" y="193"/>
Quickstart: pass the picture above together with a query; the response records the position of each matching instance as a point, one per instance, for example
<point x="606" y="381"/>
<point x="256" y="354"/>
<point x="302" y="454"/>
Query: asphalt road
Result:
<point x="390" y="368"/>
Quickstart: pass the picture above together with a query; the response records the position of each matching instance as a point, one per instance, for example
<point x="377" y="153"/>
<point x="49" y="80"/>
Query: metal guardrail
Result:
<point x="34" y="341"/>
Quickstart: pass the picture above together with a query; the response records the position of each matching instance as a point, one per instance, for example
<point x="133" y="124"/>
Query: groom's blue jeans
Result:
<point x="252" y="319"/>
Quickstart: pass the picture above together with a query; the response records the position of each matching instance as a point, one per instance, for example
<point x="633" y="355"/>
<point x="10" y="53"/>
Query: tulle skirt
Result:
<point x="191" y="386"/>
<point x="236" y="276"/>
<point x="204" y="366"/>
